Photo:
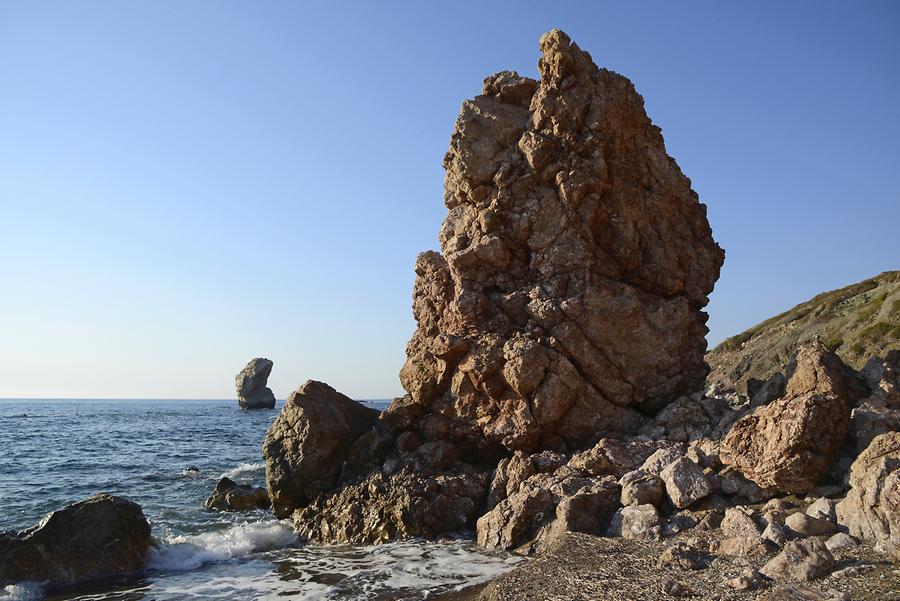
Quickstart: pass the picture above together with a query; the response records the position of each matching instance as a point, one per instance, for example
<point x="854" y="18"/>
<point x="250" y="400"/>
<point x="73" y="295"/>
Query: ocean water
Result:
<point x="167" y="456"/>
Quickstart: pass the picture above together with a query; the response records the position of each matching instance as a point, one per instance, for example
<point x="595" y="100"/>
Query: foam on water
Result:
<point x="24" y="591"/>
<point x="188" y="552"/>
<point x="243" y="469"/>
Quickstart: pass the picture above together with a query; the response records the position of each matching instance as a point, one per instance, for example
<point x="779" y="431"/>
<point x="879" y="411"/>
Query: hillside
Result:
<point x="857" y="322"/>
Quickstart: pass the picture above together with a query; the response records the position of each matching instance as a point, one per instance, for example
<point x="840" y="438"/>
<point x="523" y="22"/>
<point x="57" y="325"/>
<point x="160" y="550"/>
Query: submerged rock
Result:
<point x="307" y="444"/>
<point x="575" y="263"/>
<point x="251" y="385"/>
<point x="789" y="444"/>
<point x="100" y="536"/>
<point x="230" y="496"/>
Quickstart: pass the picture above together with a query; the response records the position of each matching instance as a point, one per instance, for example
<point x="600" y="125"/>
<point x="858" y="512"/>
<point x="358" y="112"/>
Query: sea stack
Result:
<point x="576" y="260"/>
<point x="251" y="385"/>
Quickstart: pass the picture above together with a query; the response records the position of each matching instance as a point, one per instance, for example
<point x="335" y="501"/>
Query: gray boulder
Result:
<point x="251" y="385"/>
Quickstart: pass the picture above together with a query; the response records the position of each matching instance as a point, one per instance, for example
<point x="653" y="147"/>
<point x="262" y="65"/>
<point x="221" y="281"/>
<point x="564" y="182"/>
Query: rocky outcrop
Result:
<point x="576" y="260"/>
<point x="306" y="446"/>
<point x="231" y="496"/>
<point x="407" y="504"/>
<point x="789" y="444"/>
<point x="871" y="510"/>
<point x="251" y="385"/>
<point x="100" y="536"/>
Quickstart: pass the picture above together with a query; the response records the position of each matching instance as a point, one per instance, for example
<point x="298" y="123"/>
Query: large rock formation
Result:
<point x="97" y="537"/>
<point x="575" y="263"/>
<point x="790" y="443"/>
<point x="251" y="385"/>
<point x="307" y="444"/>
<point x="871" y="510"/>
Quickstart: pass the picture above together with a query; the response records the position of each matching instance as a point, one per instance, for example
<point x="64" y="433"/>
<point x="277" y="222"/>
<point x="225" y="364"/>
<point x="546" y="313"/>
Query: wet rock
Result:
<point x="251" y="385"/>
<point x="404" y="505"/>
<point x="230" y="496"/>
<point x="307" y="444"/>
<point x="685" y="482"/>
<point x="800" y="561"/>
<point x="558" y="309"/>
<point x="100" y="536"/>
<point x="790" y="443"/>
<point x="871" y="509"/>
<point x="640" y="522"/>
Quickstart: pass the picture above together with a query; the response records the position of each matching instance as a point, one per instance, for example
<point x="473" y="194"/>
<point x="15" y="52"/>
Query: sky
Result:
<point x="187" y="185"/>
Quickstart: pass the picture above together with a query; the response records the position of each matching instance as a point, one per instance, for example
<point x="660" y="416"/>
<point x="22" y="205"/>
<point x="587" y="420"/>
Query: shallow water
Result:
<point x="168" y="456"/>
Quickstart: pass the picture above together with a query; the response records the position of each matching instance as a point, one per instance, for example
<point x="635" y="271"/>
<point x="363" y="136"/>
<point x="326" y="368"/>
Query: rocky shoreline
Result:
<point x="555" y="387"/>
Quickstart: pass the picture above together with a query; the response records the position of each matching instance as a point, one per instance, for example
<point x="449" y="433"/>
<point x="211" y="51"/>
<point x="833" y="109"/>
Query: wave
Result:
<point x="188" y="552"/>
<point x="24" y="591"/>
<point x="244" y="468"/>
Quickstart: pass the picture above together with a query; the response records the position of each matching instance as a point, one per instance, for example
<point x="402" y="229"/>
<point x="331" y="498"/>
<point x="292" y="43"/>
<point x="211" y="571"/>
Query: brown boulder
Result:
<point x="789" y="444"/>
<point x="231" y="496"/>
<point x="800" y="561"/>
<point x="575" y="263"/>
<point x="404" y="505"/>
<point x="307" y="444"/>
<point x="100" y="536"/>
<point x="871" y="510"/>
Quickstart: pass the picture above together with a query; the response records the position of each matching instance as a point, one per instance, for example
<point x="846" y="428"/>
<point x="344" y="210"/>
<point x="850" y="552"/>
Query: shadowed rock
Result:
<point x="100" y="536"/>
<point x="307" y="444"/>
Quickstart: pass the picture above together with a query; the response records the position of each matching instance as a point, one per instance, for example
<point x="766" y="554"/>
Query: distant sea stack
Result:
<point x="251" y="385"/>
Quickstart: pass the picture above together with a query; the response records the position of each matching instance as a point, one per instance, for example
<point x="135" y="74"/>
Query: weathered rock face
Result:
<point x="871" y="510"/>
<point x="97" y="537"/>
<point x="790" y="443"/>
<point x="307" y="444"/>
<point x="231" y="496"/>
<point x="407" y="504"/>
<point x="251" y="385"/>
<point x="575" y="263"/>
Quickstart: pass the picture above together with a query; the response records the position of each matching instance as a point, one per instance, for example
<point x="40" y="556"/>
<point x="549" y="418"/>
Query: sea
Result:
<point x="167" y="455"/>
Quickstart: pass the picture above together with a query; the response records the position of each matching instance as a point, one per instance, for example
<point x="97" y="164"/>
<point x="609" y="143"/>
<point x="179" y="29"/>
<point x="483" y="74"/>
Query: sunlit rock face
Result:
<point x="576" y="261"/>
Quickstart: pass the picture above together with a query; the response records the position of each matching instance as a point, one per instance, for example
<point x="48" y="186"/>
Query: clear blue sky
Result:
<point x="186" y="185"/>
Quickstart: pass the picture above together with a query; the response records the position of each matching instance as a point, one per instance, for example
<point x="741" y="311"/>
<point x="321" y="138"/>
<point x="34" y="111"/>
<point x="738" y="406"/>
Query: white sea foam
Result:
<point x="409" y="570"/>
<point x="24" y="591"/>
<point x="243" y="469"/>
<point x="189" y="552"/>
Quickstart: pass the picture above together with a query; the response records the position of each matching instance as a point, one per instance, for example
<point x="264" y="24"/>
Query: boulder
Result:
<point x="841" y="541"/>
<point x="405" y="505"/>
<point x="800" y="561"/>
<point x="789" y="444"/>
<point x="641" y="488"/>
<point x="747" y="545"/>
<point x="684" y="556"/>
<point x="739" y="520"/>
<point x="230" y="496"/>
<point x="822" y="508"/>
<point x="98" y="537"/>
<point x="807" y="525"/>
<point x="251" y="386"/>
<point x="790" y="592"/>
<point x="871" y="509"/>
<point x="880" y="412"/>
<point x="566" y="301"/>
<point x="685" y="482"/>
<point x="641" y="522"/>
<point x="307" y="444"/>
